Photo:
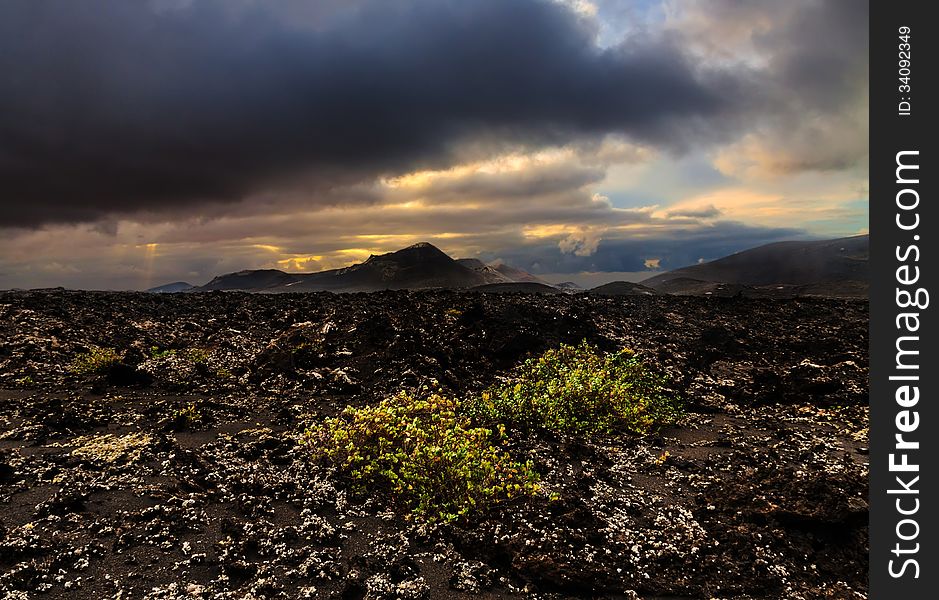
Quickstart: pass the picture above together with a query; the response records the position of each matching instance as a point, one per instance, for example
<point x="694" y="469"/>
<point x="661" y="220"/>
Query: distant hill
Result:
<point x="836" y="267"/>
<point x="490" y="273"/>
<point x="527" y="287"/>
<point x="516" y="274"/>
<point x="686" y="286"/>
<point x="250" y="281"/>
<point x="622" y="288"/>
<point x="170" y="288"/>
<point x="503" y="273"/>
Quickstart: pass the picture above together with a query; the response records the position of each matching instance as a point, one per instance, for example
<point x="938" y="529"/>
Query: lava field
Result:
<point x="179" y="470"/>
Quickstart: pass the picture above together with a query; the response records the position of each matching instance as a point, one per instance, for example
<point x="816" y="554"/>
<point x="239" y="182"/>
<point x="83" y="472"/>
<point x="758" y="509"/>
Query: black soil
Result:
<point x="177" y="472"/>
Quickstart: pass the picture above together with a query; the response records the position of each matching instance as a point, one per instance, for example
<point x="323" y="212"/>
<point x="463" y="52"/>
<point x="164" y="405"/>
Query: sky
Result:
<point x="585" y="140"/>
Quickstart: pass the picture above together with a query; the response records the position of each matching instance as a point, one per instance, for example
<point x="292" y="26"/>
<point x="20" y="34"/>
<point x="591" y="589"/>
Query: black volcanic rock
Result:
<point x="836" y="267"/>
<point x="203" y="480"/>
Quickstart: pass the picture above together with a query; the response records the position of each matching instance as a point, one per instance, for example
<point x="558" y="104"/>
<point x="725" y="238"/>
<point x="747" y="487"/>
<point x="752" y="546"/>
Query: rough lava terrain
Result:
<point x="178" y="473"/>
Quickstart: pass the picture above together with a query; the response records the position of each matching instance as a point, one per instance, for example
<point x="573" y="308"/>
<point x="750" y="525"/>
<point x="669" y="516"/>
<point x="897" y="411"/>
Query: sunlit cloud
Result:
<point x="583" y="242"/>
<point x="268" y="247"/>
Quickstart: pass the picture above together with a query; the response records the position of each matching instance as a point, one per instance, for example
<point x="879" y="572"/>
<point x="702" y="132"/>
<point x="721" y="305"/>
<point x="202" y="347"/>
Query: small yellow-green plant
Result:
<point x="579" y="389"/>
<point x="193" y="355"/>
<point x="156" y="352"/>
<point x="96" y="360"/>
<point x="424" y="457"/>
<point x="188" y="416"/>
<point x="198" y="356"/>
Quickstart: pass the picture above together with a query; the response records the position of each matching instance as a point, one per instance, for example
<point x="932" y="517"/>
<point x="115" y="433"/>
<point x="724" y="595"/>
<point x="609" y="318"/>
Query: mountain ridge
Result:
<point x="836" y="267"/>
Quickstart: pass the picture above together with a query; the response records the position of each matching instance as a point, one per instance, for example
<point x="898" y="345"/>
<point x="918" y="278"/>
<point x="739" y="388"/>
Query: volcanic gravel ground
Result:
<point x="177" y="473"/>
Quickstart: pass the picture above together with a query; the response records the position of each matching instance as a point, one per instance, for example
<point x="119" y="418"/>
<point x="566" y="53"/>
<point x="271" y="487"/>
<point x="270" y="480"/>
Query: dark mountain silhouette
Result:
<point x="419" y="266"/>
<point x="836" y="267"/>
<point x="169" y="288"/>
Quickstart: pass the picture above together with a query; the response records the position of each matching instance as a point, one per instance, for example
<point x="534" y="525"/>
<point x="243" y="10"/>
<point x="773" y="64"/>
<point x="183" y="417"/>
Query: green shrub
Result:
<point x="422" y="456"/>
<point x="96" y="360"/>
<point x="578" y="389"/>
<point x="193" y="355"/>
<point x="155" y="352"/>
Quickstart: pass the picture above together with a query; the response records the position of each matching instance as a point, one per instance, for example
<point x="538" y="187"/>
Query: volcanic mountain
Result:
<point x="419" y="266"/>
<point x="837" y="267"/>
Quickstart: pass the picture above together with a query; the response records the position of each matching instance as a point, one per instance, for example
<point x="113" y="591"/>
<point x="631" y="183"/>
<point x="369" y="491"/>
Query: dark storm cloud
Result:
<point x="814" y="83"/>
<point x="119" y="106"/>
<point x="822" y="53"/>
